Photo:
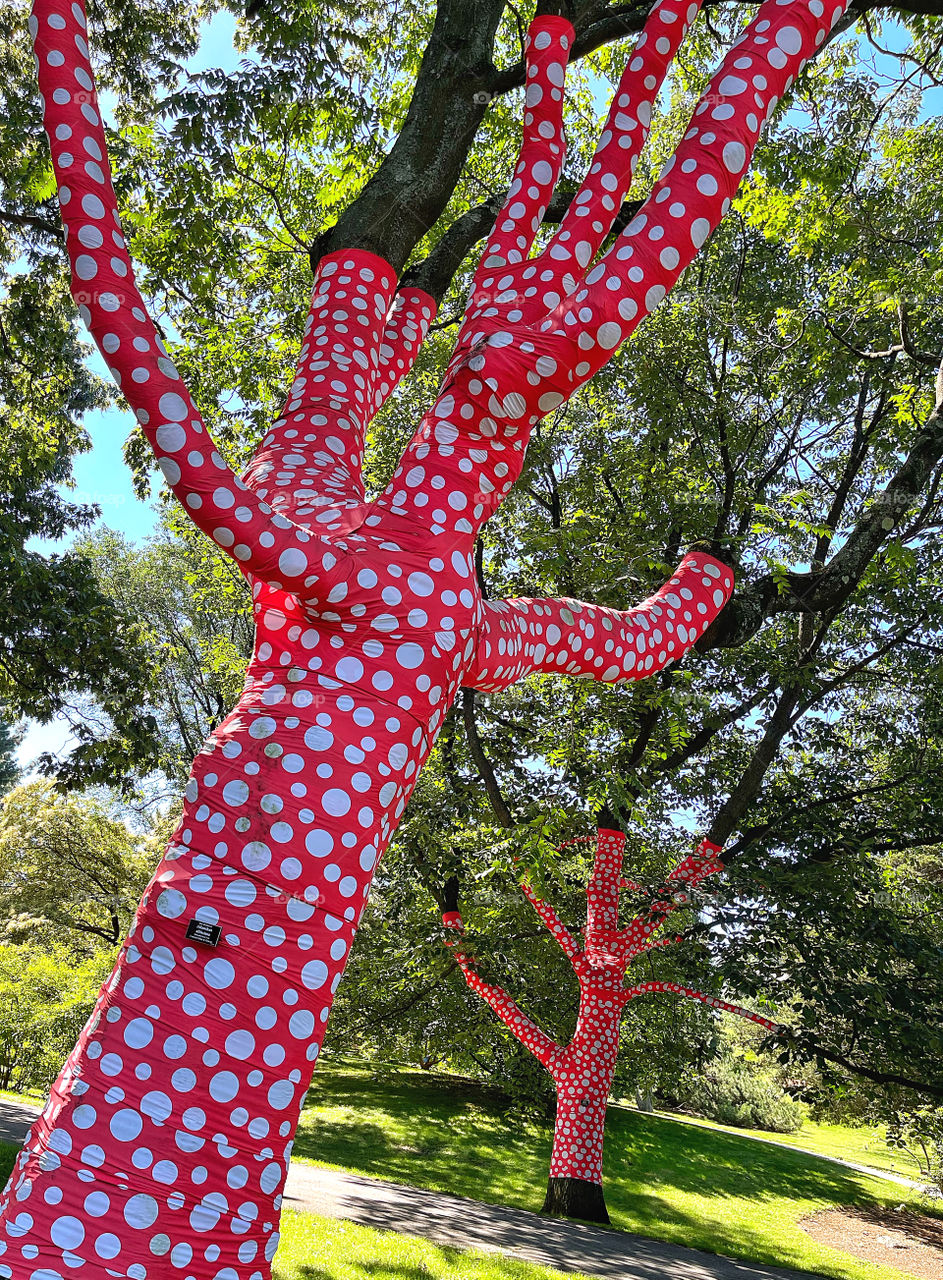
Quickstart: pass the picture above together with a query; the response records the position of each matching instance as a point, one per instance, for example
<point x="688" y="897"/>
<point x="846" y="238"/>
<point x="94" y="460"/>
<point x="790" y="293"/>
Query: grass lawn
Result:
<point x="34" y="1097"/>
<point x="322" y="1249"/>
<point x="864" y="1145"/>
<point x="702" y="1187"/>
<point x="695" y="1185"/>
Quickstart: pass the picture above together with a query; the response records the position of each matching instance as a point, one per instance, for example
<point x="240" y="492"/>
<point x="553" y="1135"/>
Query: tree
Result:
<point x="69" y="873"/>
<point x="47" y="996"/>
<point x="583" y="1069"/>
<point x="10" y="739"/>
<point x="62" y="646"/>
<point x="193" y="618"/>
<point x="316" y="565"/>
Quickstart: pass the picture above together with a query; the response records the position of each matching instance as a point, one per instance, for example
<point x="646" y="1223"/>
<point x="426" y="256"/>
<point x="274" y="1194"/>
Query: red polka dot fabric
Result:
<point x="583" y="1069"/>
<point x="163" y="1149"/>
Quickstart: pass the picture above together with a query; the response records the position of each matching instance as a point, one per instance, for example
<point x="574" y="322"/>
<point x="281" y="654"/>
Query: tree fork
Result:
<point x="456" y="83"/>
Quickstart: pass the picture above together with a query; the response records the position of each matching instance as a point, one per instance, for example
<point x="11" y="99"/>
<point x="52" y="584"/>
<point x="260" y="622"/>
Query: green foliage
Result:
<point x="731" y="1093"/>
<point x="918" y="1130"/>
<point x="8" y="1154"/>
<point x="191" y="610"/>
<point x="10" y="739"/>
<point x="753" y="410"/>
<point x="46" y="996"/>
<point x="63" y="648"/>
<point x="70" y="875"/>
<point x="60" y="641"/>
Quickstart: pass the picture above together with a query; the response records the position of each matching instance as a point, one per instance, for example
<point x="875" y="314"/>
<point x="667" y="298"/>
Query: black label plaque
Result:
<point x="202" y="931"/>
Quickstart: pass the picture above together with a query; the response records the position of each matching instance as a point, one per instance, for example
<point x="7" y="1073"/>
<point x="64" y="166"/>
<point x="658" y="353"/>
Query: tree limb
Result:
<point x="482" y="763"/>
<point x="827" y="591"/>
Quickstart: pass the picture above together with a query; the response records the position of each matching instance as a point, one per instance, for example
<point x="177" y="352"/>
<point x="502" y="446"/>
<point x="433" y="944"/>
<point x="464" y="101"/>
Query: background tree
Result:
<point x="192" y="612"/>
<point x="69" y="873"/>
<point x="10" y="739"/>
<point x="583" y="1069"/>
<point x="62" y="646"/>
<point x="46" y="995"/>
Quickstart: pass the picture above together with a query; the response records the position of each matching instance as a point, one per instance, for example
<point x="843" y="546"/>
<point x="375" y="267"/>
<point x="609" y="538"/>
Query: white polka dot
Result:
<point x="734" y="156"/>
<point x="173" y="406"/>
<point x="409" y="655"/>
<point x="314" y="974"/>
<point x="789" y="40"/>
<point x="336" y="802"/>
<point x="236" y="792"/>
<point x="293" y="562"/>
<point x="141" y="1212"/>
<point x="219" y="973"/>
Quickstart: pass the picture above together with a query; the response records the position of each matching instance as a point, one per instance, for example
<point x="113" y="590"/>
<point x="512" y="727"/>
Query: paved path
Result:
<point x="515" y="1233"/>
<point x="469" y="1224"/>
<point x="15" y="1120"/>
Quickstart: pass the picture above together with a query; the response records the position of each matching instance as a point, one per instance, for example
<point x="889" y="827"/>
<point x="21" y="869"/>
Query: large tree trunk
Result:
<point x="574" y="1188"/>
<point x="575" y="1198"/>
<point x="226" y="1036"/>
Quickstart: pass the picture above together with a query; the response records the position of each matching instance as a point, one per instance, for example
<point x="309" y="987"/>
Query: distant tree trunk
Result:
<point x="575" y="1198"/>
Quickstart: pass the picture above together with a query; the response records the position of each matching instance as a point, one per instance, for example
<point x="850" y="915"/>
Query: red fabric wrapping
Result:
<point x="583" y="1069"/>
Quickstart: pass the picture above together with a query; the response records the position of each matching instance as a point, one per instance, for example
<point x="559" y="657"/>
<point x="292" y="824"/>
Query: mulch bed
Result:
<point x="911" y="1242"/>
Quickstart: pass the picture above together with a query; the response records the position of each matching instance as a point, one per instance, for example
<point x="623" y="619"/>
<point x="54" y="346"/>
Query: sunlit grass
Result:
<point x="702" y="1187"/>
<point x="324" y="1249"/>
<point x="321" y="1249"/>
<point x="864" y="1145"/>
<point x="694" y="1185"/>
<point x="31" y="1097"/>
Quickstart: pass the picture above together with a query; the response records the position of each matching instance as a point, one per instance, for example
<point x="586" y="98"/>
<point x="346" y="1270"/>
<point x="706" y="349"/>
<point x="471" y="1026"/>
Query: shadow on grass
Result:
<point x="437" y="1132"/>
<point x="701" y="1188"/>
<point x="702" y="1162"/>
<point x="8" y="1153"/>
<point x="401" y="1091"/>
<point x="343" y="1272"/>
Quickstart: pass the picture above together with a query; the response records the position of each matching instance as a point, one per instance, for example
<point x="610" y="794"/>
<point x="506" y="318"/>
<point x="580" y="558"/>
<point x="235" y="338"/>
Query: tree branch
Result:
<point x="751" y="780"/>
<point x="482" y="763"/>
<point x="592" y="32"/>
<point x="32" y="222"/>
<point x="435" y="272"/>
<point x="869" y="1073"/>
<point x="827" y="591"/>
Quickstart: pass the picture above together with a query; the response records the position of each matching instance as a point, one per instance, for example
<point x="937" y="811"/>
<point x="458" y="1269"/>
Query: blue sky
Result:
<point x="101" y="475"/>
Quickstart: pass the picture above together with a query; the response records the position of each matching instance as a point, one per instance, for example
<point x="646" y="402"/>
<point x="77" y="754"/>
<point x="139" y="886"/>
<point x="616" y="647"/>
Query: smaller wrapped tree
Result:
<point x="583" y="1069"/>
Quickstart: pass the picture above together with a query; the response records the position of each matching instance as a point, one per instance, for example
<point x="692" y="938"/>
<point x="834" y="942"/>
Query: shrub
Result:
<point x="918" y="1130"/>
<point x="730" y="1093"/>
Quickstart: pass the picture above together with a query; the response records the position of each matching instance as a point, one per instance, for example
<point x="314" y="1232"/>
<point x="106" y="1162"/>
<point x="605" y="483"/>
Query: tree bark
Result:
<point x="575" y="1198"/>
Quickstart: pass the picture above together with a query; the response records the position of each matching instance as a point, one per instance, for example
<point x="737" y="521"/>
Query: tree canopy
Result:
<point x="781" y="407"/>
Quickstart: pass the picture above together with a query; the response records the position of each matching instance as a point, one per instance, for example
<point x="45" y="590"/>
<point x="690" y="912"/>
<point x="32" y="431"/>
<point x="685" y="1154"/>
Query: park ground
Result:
<point x="692" y="1184"/>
